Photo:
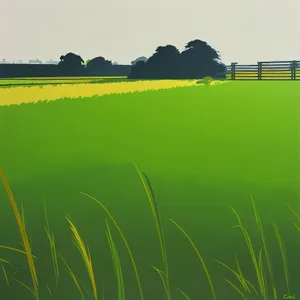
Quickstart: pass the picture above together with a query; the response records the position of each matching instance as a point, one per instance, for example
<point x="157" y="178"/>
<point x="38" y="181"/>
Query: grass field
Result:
<point x="277" y="75"/>
<point x="204" y="149"/>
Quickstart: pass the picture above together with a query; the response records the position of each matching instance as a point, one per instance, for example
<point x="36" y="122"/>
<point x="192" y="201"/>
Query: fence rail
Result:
<point x="265" y="70"/>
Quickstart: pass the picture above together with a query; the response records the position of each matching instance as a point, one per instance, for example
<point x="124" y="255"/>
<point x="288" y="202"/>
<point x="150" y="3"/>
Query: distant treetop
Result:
<point x="141" y="58"/>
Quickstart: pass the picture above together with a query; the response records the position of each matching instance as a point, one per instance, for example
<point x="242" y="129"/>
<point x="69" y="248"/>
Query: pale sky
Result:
<point x="243" y="31"/>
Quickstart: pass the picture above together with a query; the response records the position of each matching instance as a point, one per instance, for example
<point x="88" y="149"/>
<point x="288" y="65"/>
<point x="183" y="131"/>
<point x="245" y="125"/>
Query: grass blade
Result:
<point x="72" y="275"/>
<point x="161" y="275"/>
<point x="16" y="250"/>
<point x="48" y="289"/>
<point x="239" y="277"/>
<point x="52" y="246"/>
<point x="183" y="294"/>
<point x="297" y="216"/>
<point x="116" y="263"/>
<point x="5" y="274"/>
<point x="25" y="286"/>
<point x="23" y="235"/>
<point x="251" y="250"/>
<point x="198" y="254"/>
<point x="236" y="288"/>
<point x="83" y="250"/>
<point x="153" y="205"/>
<point x="283" y="256"/>
<point x="124" y="240"/>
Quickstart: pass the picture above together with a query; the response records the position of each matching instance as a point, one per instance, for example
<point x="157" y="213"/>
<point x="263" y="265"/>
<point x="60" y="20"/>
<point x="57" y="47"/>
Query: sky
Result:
<point x="242" y="31"/>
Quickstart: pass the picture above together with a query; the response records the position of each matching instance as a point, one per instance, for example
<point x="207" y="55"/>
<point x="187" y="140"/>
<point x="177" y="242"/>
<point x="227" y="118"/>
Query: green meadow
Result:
<point x="150" y="195"/>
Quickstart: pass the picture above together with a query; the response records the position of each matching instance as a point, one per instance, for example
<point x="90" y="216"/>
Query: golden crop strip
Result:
<point x="22" y="94"/>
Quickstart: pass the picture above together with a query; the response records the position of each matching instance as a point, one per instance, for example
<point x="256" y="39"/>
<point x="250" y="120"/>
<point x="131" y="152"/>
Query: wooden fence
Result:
<point x="267" y="70"/>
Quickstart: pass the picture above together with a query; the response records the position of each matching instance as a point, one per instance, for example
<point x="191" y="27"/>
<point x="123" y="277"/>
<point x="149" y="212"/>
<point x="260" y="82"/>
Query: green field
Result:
<point x="203" y="149"/>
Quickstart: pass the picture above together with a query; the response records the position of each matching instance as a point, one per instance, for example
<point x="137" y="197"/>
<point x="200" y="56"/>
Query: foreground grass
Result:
<point x="244" y="291"/>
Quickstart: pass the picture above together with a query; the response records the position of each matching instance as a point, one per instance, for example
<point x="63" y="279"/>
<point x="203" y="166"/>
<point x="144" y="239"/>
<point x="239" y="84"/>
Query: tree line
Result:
<point x="197" y="60"/>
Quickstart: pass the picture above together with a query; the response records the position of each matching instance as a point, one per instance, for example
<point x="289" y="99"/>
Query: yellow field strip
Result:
<point x="22" y="94"/>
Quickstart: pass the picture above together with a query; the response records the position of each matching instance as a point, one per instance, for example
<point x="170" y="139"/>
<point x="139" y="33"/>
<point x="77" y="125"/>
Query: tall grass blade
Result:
<point x="236" y="288"/>
<point x="51" y="240"/>
<point x="162" y="276"/>
<point x="255" y="214"/>
<point x="72" y="275"/>
<point x="198" y="254"/>
<point x="283" y="256"/>
<point x="16" y="250"/>
<point x="25" y="286"/>
<point x="124" y="240"/>
<point x="250" y="248"/>
<point x="23" y="235"/>
<point x="83" y="250"/>
<point x="261" y="272"/>
<point x="298" y="228"/>
<point x="5" y="274"/>
<point x="242" y="281"/>
<point x="48" y="289"/>
<point x="153" y="205"/>
<point x="261" y="231"/>
<point x="297" y="215"/>
<point x="267" y="258"/>
<point x="183" y="294"/>
<point x="239" y="277"/>
<point x="116" y="263"/>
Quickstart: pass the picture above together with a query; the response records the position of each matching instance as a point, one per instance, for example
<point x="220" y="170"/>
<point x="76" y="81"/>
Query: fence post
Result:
<point x="293" y="69"/>
<point x="233" y="70"/>
<point x="259" y="70"/>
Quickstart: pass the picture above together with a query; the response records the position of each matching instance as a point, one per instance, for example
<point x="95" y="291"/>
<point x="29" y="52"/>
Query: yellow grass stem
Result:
<point x="124" y="240"/>
<point x="199" y="256"/>
<point x="297" y="215"/>
<point x="85" y="254"/>
<point x="23" y="235"/>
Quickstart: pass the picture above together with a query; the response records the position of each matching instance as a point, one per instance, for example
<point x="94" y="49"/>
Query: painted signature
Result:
<point x="290" y="297"/>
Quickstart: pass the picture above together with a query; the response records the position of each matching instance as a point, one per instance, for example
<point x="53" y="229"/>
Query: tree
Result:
<point x="138" y="71"/>
<point x="165" y="63"/>
<point x="98" y="65"/>
<point x="141" y="58"/>
<point x="71" y="60"/>
<point x="71" y="64"/>
<point x="200" y="60"/>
